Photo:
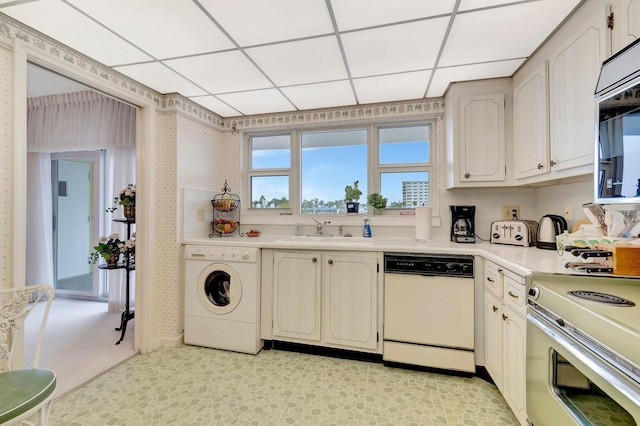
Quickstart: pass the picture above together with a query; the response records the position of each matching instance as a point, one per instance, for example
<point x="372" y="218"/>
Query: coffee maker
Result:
<point x="462" y="224"/>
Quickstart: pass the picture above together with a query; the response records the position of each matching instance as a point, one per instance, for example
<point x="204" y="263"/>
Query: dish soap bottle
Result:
<point x="366" y="231"/>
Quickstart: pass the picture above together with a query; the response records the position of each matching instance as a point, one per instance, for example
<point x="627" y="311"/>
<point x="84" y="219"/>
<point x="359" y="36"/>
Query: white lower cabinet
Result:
<point x="504" y="336"/>
<point x="326" y="298"/>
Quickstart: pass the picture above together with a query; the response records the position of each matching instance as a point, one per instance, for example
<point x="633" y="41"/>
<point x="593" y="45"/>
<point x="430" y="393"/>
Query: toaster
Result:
<point x="514" y="232"/>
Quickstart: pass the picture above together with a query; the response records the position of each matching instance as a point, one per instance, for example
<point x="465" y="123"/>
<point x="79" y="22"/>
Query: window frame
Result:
<point x="374" y="168"/>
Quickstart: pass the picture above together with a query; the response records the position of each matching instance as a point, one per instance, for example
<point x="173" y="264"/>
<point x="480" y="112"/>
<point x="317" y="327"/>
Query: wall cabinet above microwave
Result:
<point x="554" y="107"/>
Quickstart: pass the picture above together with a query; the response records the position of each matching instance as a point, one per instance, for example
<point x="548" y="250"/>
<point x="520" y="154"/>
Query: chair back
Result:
<point x="15" y="305"/>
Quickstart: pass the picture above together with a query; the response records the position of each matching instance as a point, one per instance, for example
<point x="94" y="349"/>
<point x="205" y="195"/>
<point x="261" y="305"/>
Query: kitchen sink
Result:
<point x="305" y="239"/>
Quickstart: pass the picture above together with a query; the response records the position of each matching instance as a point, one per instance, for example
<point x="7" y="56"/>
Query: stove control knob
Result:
<point x="245" y="255"/>
<point x="519" y="237"/>
<point x="534" y="292"/>
<point x="495" y="235"/>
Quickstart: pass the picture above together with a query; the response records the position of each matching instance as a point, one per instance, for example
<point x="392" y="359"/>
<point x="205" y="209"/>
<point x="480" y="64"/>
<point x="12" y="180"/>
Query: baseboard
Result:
<point x="168" y="342"/>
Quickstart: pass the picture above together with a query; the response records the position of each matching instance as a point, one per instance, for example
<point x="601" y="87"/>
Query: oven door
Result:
<point x="567" y="384"/>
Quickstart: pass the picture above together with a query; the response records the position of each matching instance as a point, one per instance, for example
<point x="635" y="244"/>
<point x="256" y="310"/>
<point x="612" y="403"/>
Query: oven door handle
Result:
<point x="601" y="368"/>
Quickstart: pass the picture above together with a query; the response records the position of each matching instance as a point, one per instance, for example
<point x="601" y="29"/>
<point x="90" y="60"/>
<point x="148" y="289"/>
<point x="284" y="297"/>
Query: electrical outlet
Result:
<point x="200" y="214"/>
<point x="567" y="211"/>
<point x="511" y="212"/>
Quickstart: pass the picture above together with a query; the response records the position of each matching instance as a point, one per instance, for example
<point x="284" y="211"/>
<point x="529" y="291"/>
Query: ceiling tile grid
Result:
<point x="255" y="57"/>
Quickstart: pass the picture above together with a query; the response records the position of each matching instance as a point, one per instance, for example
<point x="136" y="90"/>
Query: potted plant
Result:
<point x="377" y="201"/>
<point x="351" y="196"/>
<point x="109" y="248"/>
<point x="127" y="199"/>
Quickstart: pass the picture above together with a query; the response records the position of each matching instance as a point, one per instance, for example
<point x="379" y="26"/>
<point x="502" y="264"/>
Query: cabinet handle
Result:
<point x="540" y="166"/>
<point x="491" y="280"/>
<point x="512" y="294"/>
<point x="553" y="163"/>
<point x="330" y="262"/>
<point x="467" y="175"/>
<point x="495" y="308"/>
<point x="500" y="271"/>
<point x="504" y="317"/>
<point x="314" y="260"/>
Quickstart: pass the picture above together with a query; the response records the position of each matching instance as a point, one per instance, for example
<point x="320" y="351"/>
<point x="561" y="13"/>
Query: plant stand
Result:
<point x="128" y="313"/>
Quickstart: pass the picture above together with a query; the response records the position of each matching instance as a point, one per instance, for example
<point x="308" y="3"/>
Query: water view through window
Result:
<point x="330" y="160"/>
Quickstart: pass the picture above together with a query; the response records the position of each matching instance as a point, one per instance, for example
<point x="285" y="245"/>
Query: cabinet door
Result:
<point x="296" y="296"/>
<point x="573" y="72"/>
<point x="482" y="140"/>
<point x="626" y="24"/>
<point x="531" y="125"/>
<point x="350" y="312"/>
<point x="514" y="358"/>
<point x="493" y="309"/>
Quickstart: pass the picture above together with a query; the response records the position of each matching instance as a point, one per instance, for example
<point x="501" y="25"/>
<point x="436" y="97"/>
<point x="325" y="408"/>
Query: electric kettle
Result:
<point x="548" y="227"/>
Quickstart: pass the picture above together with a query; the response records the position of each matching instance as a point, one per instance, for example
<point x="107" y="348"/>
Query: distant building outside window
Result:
<point x="415" y="193"/>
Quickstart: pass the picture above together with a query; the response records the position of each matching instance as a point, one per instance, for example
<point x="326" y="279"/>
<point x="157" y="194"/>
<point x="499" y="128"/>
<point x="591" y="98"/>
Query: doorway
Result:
<point x="75" y="189"/>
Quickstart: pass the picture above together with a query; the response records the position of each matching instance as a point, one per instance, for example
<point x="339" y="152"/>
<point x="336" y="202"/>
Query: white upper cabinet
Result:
<point x="626" y="23"/>
<point x="531" y="125"/>
<point x="476" y="133"/>
<point x="574" y="68"/>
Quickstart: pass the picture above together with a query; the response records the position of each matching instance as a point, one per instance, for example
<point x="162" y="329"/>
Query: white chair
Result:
<point x="23" y="392"/>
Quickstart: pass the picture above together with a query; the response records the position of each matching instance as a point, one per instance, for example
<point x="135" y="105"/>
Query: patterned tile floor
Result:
<point x="199" y="386"/>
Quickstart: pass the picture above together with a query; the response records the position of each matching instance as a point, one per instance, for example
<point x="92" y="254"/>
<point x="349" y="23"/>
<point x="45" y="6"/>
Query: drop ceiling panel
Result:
<point x="213" y="104"/>
<point x="352" y="14"/>
<point x="300" y="62"/>
<point x="321" y="95"/>
<point x="161" y="78"/>
<point x="252" y="22"/>
<point x="68" y="26"/>
<point x="258" y="101"/>
<point x="221" y="72"/>
<point x="443" y="76"/>
<point x="479" y="4"/>
<point x="162" y="28"/>
<point x="501" y="33"/>
<point x="398" y="48"/>
<point x="392" y="87"/>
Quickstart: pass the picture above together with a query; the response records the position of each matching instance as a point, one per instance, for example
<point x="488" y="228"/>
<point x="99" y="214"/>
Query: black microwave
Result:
<point x="617" y="168"/>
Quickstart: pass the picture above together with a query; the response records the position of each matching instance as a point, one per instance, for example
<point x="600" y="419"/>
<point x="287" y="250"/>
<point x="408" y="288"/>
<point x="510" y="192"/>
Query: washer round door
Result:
<point x="219" y="289"/>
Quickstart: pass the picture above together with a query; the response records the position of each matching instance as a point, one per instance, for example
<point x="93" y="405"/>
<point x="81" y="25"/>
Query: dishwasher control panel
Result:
<point x="429" y="264"/>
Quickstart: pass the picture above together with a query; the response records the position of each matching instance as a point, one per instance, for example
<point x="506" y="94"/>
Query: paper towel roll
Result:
<point x="423" y="223"/>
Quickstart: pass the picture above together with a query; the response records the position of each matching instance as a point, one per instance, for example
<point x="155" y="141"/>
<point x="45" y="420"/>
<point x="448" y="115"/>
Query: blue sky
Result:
<point x="326" y="170"/>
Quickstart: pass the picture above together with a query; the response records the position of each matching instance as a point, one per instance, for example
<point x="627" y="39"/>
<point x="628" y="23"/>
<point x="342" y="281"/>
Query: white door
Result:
<point x="75" y="187"/>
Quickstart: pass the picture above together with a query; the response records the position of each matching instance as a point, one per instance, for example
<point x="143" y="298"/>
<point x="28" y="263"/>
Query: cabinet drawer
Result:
<point x="493" y="278"/>
<point x="514" y="295"/>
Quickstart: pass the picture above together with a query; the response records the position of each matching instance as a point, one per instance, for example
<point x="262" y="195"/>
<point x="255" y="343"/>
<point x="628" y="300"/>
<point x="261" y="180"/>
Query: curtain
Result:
<point x="120" y="169"/>
<point x="81" y="121"/>
<point x="39" y="220"/>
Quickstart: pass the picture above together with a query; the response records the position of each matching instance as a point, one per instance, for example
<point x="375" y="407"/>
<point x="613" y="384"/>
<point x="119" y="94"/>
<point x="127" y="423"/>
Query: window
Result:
<point x="329" y="161"/>
<point x="404" y="165"/>
<point x="306" y="171"/>
<point x="270" y="165"/>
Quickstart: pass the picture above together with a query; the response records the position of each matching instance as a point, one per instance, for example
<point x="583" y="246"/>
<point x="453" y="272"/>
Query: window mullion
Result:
<point x="294" y="177"/>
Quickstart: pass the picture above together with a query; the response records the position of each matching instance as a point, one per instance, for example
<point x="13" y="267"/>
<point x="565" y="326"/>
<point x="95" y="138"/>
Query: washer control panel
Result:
<point x="227" y="254"/>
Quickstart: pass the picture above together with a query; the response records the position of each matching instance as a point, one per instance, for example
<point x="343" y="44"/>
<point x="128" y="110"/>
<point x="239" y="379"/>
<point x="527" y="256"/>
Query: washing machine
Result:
<point x="222" y="298"/>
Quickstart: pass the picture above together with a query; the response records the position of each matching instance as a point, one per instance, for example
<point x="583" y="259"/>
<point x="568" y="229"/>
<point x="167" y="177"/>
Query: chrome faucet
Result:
<point x="320" y="225"/>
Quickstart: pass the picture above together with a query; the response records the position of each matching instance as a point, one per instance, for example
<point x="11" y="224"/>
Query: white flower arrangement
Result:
<point x="127" y="197"/>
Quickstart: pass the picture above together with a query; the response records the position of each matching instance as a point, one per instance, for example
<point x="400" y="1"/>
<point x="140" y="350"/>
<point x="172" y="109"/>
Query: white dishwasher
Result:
<point x="429" y="311"/>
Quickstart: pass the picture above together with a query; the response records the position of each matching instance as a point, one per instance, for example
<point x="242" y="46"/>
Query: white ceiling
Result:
<point x="262" y="56"/>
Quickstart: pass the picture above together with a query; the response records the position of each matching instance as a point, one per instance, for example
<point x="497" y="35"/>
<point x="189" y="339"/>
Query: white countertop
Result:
<point x="521" y="260"/>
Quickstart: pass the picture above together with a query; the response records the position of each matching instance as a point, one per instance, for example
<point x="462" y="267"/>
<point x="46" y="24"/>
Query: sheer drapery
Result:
<point x="120" y="166"/>
<point x="39" y="220"/>
<point x="81" y="121"/>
